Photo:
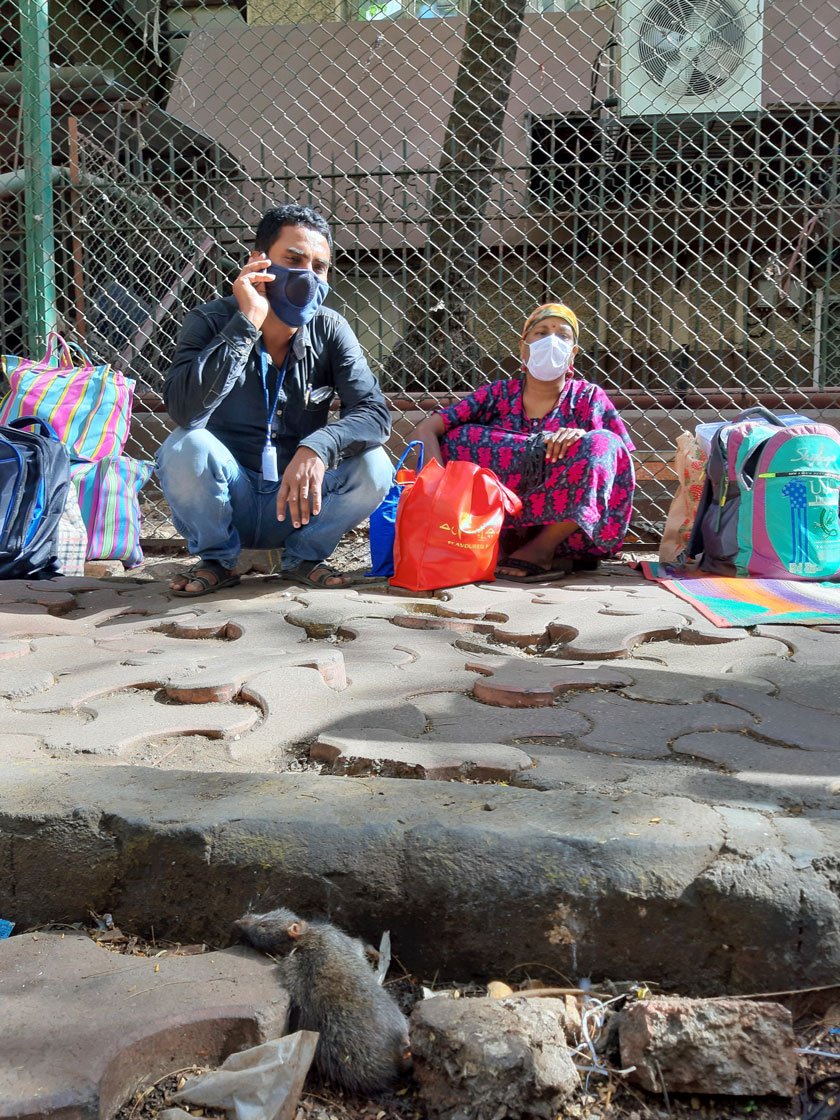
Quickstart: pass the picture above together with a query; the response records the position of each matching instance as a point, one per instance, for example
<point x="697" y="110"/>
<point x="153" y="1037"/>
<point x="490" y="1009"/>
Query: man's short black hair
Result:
<point x="291" y="214"/>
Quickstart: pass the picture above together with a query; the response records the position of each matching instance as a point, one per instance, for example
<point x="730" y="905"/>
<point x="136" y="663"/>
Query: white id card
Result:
<point x="269" y="464"/>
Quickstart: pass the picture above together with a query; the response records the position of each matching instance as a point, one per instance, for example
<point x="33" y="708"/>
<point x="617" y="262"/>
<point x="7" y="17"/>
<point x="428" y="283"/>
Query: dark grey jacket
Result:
<point x="214" y="383"/>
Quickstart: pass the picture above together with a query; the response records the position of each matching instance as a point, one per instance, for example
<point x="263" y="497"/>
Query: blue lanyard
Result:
<point x="271" y="407"/>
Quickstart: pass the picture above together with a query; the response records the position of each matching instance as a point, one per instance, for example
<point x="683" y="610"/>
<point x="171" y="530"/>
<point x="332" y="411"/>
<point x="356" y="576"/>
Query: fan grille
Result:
<point x="710" y="32"/>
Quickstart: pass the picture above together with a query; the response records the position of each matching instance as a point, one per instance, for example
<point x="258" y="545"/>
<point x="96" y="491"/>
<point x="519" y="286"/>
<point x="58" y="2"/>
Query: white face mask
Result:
<point x="550" y="357"/>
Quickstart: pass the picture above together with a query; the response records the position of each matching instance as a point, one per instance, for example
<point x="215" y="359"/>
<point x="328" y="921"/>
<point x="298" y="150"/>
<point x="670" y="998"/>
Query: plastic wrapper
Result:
<point x="690" y="468"/>
<point x="263" y="1083"/>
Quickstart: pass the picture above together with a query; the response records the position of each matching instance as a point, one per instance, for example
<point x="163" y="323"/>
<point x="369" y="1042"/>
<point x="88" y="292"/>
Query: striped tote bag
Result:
<point x="108" y="492"/>
<point x="87" y="404"/>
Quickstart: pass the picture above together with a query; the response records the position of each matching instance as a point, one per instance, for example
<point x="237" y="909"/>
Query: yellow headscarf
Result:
<point x="552" y="311"/>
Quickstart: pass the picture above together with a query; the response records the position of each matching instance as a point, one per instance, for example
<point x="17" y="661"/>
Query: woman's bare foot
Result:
<point x="537" y="556"/>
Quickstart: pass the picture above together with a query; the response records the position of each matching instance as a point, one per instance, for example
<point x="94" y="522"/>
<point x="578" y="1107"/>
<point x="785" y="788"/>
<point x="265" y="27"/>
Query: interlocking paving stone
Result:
<point x="198" y="680"/>
<point x="110" y="724"/>
<point x="785" y="722"/>
<point x="134" y="678"/>
<point x="658" y="683"/>
<point x="578" y="626"/>
<point x="682" y="673"/>
<point x="643" y="730"/>
<point x="587" y="623"/>
<point x="592" y="631"/>
<point x="402" y="721"/>
<point x="778" y="766"/>
<point x="19" y="680"/>
<point x="816" y="687"/>
<point x="250" y="649"/>
<point x="83" y="1026"/>
<point x="455" y="718"/>
<point x="381" y="752"/>
<point x="633" y="747"/>
<point x="808" y="645"/>
<point x="523" y="685"/>
<point x="299" y="703"/>
<point x="559" y="768"/>
<point x="428" y="736"/>
<point x="51" y="599"/>
<point x="645" y="597"/>
<point x="14" y="746"/>
<point x="87" y="583"/>
<point x="28" y="620"/>
<point x="516" y="615"/>
<point x="386" y="664"/>
<point x="322" y="614"/>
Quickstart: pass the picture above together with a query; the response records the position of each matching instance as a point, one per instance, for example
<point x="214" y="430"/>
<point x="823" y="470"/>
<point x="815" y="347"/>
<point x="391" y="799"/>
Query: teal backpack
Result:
<point x="770" y="503"/>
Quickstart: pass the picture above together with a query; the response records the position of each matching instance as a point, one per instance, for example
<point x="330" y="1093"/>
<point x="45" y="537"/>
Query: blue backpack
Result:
<point x="34" y="479"/>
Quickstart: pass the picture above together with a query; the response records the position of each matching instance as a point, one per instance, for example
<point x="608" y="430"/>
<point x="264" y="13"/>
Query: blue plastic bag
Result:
<point x="383" y="520"/>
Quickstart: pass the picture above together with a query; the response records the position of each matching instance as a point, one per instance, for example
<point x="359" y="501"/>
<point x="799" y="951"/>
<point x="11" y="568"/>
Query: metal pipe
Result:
<point x="39" y="218"/>
<point x="63" y="80"/>
<point x="76" y="224"/>
<point x="12" y="182"/>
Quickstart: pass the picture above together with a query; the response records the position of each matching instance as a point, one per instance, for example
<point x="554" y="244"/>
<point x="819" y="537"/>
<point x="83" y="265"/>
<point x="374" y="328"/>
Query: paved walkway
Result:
<point x="602" y="691"/>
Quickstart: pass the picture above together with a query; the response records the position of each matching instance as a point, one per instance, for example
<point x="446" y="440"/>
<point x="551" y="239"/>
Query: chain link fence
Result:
<point x="669" y="168"/>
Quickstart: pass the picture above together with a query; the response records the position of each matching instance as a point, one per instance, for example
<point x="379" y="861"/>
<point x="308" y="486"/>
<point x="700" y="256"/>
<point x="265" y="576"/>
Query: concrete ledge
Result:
<point x="469" y="879"/>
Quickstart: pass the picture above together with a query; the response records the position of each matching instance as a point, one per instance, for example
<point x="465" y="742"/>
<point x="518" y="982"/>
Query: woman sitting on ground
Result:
<point x="557" y="441"/>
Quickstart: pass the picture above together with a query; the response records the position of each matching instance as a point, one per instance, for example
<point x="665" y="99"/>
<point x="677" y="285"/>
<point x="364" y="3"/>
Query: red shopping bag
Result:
<point x="448" y="526"/>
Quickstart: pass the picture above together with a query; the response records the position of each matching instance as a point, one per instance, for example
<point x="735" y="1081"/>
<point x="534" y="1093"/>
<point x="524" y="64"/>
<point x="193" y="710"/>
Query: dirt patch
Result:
<point x="150" y="1100"/>
<point x="609" y="1101"/>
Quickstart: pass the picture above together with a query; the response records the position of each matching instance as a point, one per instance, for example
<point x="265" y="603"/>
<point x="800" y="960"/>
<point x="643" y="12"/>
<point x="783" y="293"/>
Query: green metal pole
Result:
<point x="36" y="127"/>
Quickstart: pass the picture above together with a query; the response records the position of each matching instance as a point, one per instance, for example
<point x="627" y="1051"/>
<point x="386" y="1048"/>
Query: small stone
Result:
<point x="497" y="989"/>
<point x="726" y="1046"/>
<point x="262" y="561"/>
<point x="480" y="1058"/>
<point x="104" y="569"/>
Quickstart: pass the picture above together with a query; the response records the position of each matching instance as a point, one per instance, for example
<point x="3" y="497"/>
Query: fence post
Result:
<point x="36" y="127"/>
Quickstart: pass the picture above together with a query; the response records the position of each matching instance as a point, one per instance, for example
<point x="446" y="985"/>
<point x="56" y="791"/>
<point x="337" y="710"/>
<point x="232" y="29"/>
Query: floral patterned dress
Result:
<point x="591" y="485"/>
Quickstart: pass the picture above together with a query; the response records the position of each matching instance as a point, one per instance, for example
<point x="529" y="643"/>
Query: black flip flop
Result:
<point x="532" y="573"/>
<point x="224" y="578"/>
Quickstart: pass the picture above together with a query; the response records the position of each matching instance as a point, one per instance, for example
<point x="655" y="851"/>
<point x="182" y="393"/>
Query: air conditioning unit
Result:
<point x="690" y="56"/>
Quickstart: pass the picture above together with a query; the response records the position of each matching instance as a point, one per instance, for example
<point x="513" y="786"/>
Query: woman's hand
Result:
<point x="558" y="443"/>
<point x="429" y="431"/>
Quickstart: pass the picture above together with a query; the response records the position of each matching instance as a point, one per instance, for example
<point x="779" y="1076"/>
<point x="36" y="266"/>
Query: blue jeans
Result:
<point x="220" y="507"/>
